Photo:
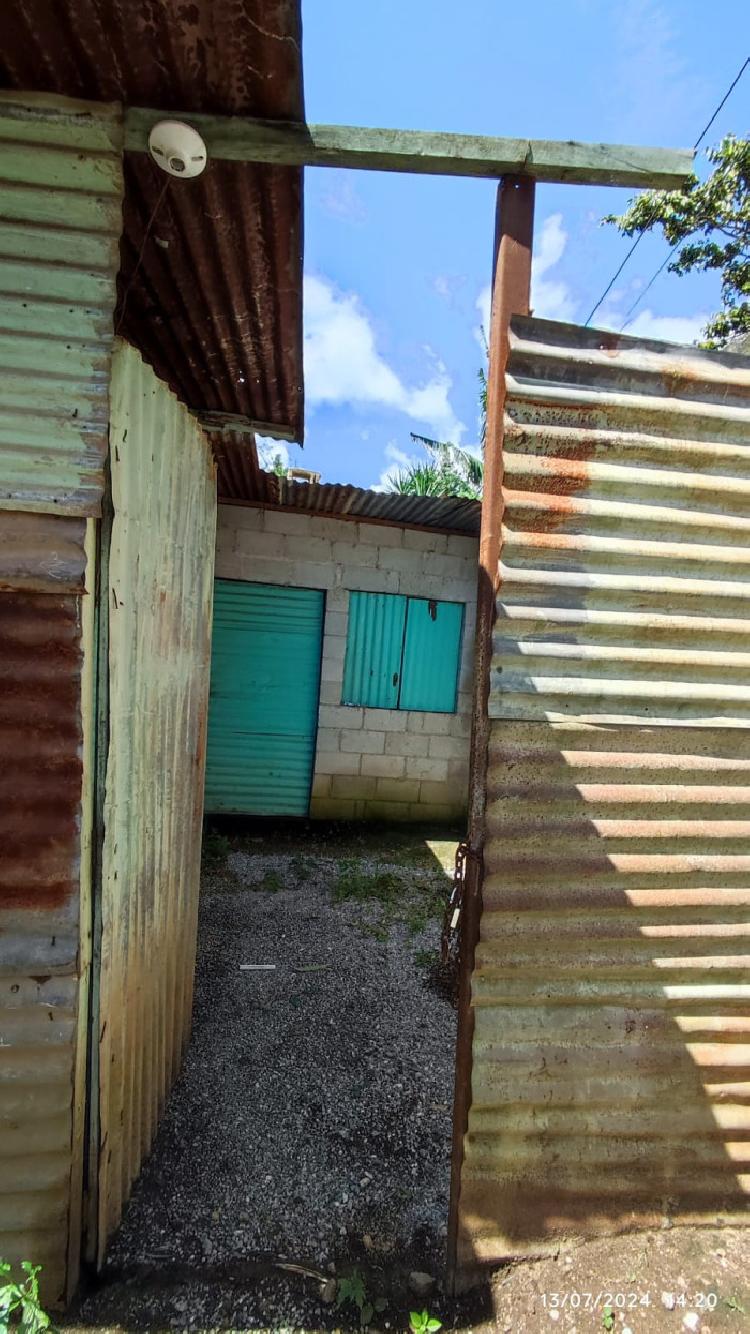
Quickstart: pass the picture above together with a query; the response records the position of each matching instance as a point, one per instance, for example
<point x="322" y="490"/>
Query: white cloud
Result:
<point x="269" y="450"/>
<point x="670" y="328"/>
<point x="399" y="460"/>
<point x="551" y="298"/>
<point x="484" y="306"/>
<point x="343" y="365"/>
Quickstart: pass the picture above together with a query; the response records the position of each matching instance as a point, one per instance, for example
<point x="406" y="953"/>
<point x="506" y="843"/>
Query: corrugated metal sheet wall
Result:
<point x="60" y="206"/>
<point x="60" y="224"/>
<point x="160" y="581"/>
<point x="611" y="1059"/>
<point x="42" y="958"/>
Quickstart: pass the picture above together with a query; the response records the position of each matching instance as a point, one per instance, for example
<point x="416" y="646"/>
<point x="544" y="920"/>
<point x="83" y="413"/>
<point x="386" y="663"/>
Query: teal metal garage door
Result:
<point x="263" y="712"/>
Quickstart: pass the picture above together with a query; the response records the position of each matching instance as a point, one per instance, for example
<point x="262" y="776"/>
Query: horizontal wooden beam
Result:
<point x="235" y="423"/>
<point x="244" y="139"/>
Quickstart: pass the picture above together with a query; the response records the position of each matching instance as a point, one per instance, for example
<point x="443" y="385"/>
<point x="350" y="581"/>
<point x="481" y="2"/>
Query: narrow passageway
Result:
<point x="312" y="1118"/>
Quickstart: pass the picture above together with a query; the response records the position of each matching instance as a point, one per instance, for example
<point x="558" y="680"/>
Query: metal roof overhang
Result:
<point x="211" y="291"/>
<point x="241" y="482"/>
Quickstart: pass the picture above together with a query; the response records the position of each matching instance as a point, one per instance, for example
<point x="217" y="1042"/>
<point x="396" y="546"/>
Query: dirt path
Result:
<point x="312" y="1119"/>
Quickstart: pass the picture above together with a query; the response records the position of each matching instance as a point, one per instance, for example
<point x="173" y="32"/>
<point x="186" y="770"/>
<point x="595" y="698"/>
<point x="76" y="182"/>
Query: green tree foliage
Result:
<point x="710" y="223"/>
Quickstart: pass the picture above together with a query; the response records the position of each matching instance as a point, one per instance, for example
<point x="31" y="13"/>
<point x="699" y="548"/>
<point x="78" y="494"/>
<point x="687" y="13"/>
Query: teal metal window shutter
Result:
<point x="374" y="646"/>
<point x="402" y="653"/>
<point x="432" y="650"/>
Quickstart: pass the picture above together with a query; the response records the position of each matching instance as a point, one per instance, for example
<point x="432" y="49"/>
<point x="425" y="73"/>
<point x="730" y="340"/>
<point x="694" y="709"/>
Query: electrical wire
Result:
<point x="640" y="235"/>
<point x="146" y="234"/>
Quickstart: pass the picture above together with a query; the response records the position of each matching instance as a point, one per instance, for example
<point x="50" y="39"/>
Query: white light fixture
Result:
<point x="177" y="148"/>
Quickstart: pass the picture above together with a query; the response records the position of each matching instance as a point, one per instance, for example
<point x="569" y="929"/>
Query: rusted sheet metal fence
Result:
<point x="44" y="638"/>
<point x="60" y="224"/>
<point x="611" y="1054"/>
<point x="159" y="598"/>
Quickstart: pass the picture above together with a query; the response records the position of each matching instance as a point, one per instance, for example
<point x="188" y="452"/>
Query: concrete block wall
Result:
<point x="369" y="763"/>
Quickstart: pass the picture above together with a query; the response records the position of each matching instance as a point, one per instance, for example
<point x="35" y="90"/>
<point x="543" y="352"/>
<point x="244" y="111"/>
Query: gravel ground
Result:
<point x="312" y="1119"/>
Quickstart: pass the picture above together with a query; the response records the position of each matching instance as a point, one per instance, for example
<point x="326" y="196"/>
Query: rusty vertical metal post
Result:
<point x="511" y="292"/>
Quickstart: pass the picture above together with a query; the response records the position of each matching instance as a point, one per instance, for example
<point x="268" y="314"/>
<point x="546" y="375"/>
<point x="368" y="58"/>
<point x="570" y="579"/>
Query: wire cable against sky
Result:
<point x="640" y="235"/>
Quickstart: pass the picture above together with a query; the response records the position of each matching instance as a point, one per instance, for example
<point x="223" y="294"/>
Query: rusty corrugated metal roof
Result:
<point x="239" y="480"/>
<point x="215" y="304"/>
<point x="610" y="1054"/>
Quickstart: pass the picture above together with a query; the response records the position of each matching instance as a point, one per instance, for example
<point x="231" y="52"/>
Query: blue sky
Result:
<point x="397" y="267"/>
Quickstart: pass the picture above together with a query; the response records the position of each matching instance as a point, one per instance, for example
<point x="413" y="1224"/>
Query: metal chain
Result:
<point x="452" y="918"/>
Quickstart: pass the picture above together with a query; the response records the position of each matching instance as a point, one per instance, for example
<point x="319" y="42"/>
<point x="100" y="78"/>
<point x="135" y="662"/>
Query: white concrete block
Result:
<point x="354" y="554"/>
<point x="259" y="570"/>
<point x="362" y="742"/>
<point x="281" y="521"/>
<point x="386" y="720"/>
<point x="331" y="670"/>
<point x="366" y="580"/>
<point x="337" y="762"/>
<point x="342" y="716"/>
<point x="419" y="541"/>
<point x="384" y="766"/>
<point x="336" y="530"/>
<point x="447" y="747"/>
<point x="309" y="548"/>
<point x="468" y="547"/>
<point x="334" y="648"/>
<point x="330" y="692"/>
<point x="253" y="542"/>
<point x="407" y="743"/>
<point x="328" y="739"/>
<point x="434" y="770"/>
<point x="312" y="575"/>
<point x="381" y="535"/>
<point x="336" y="623"/>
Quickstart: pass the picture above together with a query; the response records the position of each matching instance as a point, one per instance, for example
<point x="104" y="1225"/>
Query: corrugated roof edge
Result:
<point x="447" y="514"/>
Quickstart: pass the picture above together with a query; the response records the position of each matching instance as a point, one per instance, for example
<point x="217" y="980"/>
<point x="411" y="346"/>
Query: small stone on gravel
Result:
<point x="421" y="1283"/>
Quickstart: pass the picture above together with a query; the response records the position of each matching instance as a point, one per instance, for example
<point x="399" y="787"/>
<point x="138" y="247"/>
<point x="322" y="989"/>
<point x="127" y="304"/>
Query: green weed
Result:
<point x="424" y="958"/>
<point x="271" y="882"/>
<point x="20" y="1308"/>
<point x="215" y="848"/>
<point x="421" y="1322"/>
<point x="352" y="1290"/>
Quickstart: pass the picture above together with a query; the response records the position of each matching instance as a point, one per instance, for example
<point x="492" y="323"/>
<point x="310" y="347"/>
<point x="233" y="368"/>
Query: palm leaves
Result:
<point x="448" y="469"/>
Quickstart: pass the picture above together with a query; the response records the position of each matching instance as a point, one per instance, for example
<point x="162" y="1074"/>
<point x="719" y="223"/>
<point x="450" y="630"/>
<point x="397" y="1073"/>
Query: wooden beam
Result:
<point x="244" y="139"/>
<point x="235" y="422"/>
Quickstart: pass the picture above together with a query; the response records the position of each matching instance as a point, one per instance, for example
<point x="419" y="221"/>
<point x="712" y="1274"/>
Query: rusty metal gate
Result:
<point x="610" y="1083"/>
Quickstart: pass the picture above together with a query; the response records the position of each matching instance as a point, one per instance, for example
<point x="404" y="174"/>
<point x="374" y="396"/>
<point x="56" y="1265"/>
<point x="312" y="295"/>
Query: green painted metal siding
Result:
<point x="432" y="650"/>
<point x="265" y="685"/>
<point x="60" y="225"/>
<point x="372" y="670"/>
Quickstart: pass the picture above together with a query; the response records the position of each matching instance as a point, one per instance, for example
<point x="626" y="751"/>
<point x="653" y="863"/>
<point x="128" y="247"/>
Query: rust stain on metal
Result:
<point x="161" y="581"/>
<point x="215" y="302"/>
<point x="40" y="734"/>
<point x="41" y="552"/>
<point x="610" y="1059"/>
<point x="41" y="659"/>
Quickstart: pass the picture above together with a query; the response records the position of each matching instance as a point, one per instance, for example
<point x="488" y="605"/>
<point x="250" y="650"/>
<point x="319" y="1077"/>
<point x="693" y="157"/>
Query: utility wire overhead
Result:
<point x="640" y="235"/>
